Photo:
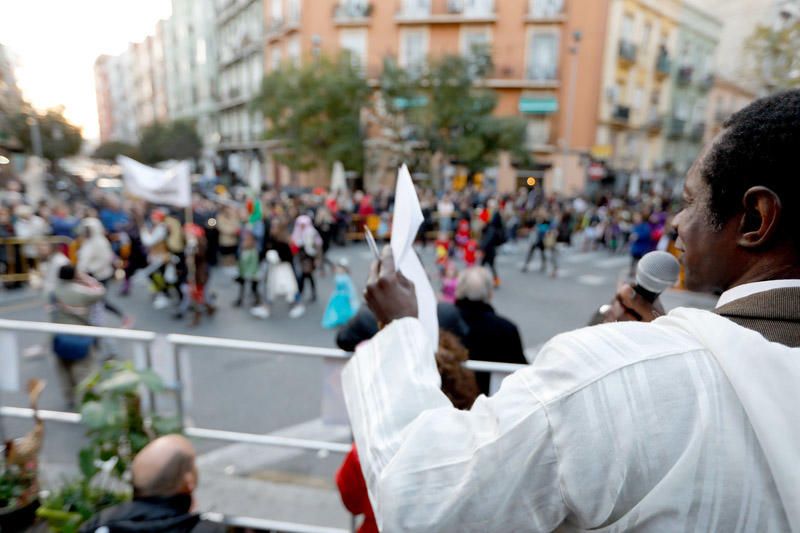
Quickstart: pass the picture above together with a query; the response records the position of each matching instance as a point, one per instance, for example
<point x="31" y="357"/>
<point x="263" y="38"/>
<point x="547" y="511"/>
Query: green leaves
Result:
<point x="314" y="110"/>
<point x="775" y="58"/>
<point x="172" y="140"/>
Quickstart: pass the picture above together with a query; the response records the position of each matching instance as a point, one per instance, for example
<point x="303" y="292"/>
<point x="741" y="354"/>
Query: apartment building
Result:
<point x="529" y="42"/>
<point x="115" y="98"/>
<point x="692" y="79"/>
<point x="190" y="55"/>
<point x="149" y="78"/>
<point x="240" y="30"/>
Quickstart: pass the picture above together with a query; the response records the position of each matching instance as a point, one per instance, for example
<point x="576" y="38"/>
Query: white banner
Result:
<point x="172" y="186"/>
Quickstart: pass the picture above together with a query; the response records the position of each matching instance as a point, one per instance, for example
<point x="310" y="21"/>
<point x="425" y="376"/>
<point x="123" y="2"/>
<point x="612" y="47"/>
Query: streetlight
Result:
<point x="573" y="79"/>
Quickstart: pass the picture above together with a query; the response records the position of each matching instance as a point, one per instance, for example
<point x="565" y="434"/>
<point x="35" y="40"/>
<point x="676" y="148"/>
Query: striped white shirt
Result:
<point x="621" y="427"/>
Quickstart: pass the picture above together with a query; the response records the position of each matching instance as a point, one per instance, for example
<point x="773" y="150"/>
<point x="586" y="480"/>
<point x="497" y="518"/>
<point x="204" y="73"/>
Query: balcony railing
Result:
<point x="459" y="7"/>
<point x="627" y="51"/>
<point x="541" y="73"/>
<point x="621" y="114"/>
<point x="546" y="11"/>
<point x="347" y="11"/>
<point x="685" y="75"/>
<point x="456" y="11"/>
<point x="676" y="128"/>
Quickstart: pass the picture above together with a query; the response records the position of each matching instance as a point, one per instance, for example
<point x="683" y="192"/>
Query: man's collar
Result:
<point x="748" y="289"/>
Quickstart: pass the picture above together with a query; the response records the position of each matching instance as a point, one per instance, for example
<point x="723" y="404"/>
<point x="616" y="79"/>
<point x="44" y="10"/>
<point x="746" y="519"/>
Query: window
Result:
<point x="648" y="30"/>
<point x="475" y="42"/>
<point x="276" y="11"/>
<point x="293" y="51"/>
<point x="638" y="98"/>
<point x="275" y="58"/>
<point x="543" y="9"/>
<point x="537" y="132"/>
<point x="413" y="49"/>
<point x="542" y="56"/>
<point x="294" y="11"/>
<point x="354" y="41"/>
<point x="416" y="8"/>
<point x="478" y="8"/>
<point x="627" y="28"/>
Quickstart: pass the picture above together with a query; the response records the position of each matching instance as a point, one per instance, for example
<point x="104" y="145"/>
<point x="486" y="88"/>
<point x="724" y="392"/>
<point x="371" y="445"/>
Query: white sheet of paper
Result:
<point x="407" y="220"/>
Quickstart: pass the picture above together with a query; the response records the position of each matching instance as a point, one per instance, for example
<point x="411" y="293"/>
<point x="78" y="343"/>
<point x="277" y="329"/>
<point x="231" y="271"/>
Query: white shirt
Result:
<point x="749" y="289"/>
<point x="667" y="426"/>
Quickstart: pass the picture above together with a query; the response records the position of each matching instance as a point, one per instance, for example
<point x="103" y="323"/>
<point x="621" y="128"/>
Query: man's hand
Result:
<point x="628" y="305"/>
<point x="389" y="294"/>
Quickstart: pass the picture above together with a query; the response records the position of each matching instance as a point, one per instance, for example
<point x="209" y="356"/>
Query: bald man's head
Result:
<point x="164" y="468"/>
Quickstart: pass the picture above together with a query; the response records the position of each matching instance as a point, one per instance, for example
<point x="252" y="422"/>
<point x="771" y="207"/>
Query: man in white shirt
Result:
<point x="688" y="423"/>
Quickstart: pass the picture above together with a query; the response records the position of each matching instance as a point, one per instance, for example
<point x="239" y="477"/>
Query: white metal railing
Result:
<point x="182" y="344"/>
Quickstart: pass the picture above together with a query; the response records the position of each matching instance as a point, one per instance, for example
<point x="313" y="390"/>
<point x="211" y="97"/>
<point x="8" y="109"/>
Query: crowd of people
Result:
<point x="276" y="244"/>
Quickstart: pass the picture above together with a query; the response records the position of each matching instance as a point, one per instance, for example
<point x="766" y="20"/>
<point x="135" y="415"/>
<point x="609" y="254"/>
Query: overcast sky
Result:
<point x="55" y="44"/>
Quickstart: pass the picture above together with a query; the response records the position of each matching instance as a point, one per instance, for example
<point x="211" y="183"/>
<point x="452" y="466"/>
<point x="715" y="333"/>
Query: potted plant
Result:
<point x="117" y="429"/>
<point x="19" y="485"/>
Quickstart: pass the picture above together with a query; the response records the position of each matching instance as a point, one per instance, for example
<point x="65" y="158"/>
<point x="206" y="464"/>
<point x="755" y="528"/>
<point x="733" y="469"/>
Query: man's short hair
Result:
<point x="474" y="283"/>
<point x="759" y="145"/>
<point x="169" y="480"/>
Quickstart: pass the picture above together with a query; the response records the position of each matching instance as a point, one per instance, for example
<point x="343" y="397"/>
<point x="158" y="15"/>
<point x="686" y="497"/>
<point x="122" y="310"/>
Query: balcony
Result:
<point x="663" y="65"/>
<point x="627" y="52"/>
<point x="546" y="12"/>
<point x="655" y="123"/>
<point x="621" y="115"/>
<point x="706" y="82"/>
<point x="676" y="128"/>
<point x="352" y="14"/>
<point x="685" y="75"/>
<point x="697" y="132"/>
<point x="542" y="73"/>
<point x="457" y="12"/>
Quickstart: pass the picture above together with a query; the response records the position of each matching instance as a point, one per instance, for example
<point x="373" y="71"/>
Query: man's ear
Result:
<point x="761" y="217"/>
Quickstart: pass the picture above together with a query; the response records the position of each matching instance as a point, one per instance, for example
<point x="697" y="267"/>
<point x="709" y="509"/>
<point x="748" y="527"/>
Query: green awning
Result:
<point x="538" y="106"/>
<point x="407" y="103"/>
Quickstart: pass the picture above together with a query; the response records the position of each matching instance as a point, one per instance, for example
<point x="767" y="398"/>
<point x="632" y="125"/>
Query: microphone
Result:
<point x="656" y="272"/>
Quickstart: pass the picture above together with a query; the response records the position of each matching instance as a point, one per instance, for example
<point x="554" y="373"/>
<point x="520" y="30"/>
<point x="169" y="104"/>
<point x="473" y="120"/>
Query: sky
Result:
<point x="55" y="43"/>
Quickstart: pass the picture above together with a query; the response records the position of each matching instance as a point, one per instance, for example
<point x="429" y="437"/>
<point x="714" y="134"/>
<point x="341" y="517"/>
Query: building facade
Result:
<point x="529" y="42"/>
<point x="190" y="56"/>
<point x="692" y="79"/>
<point x="149" y="78"/>
<point x="116" y="112"/>
<point x="10" y="103"/>
<point x="240" y="30"/>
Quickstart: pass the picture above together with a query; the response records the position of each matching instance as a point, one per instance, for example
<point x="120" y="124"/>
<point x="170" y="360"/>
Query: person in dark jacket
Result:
<point x="363" y="326"/>
<point x="164" y="478"/>
<point x="494" y="235"/>
<point x="490" y="337"/>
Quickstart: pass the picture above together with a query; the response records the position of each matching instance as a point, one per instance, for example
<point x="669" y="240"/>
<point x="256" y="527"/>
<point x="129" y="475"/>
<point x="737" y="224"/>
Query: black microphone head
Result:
<point x="657" y="271"/>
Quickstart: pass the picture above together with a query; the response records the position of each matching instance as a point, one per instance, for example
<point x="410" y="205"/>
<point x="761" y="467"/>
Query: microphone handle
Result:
<point x="644" y="293"/>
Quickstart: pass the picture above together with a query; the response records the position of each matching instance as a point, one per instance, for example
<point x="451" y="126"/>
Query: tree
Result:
<point x="450" y="110"/>
<point x="774" y="54"/>
<point x="111" y="149"/>
<point x="59" y="138"/>
<point x="315" y="112"/>
<point x="171" y="140"/>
